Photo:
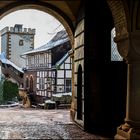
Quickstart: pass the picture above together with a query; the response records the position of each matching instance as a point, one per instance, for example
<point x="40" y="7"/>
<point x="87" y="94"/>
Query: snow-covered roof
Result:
<point x="61" y="61"/>
<point x="6" y="61"/>
<point x="60" y="38"/>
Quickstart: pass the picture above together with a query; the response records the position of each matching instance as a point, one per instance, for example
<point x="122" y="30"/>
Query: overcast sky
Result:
<point x="46" y="25"/>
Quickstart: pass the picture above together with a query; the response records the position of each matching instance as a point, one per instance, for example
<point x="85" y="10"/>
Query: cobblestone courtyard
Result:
<point x="20" y="123"/>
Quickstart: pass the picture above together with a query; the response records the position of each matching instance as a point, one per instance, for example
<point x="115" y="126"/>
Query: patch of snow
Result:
<point x="49" y="101"/>
<point x="10" y="105"/>
<point x="47" y="46"/>
<point x="61" y="94"/>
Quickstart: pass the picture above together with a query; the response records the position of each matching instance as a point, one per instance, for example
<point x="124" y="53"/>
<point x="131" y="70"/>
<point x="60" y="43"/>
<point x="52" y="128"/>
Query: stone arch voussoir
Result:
<point x="120" y="22"/>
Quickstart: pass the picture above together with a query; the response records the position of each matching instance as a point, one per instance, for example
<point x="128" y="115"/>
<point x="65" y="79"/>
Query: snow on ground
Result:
<point x="61" y="94"/>
<point x="49" y="101"/>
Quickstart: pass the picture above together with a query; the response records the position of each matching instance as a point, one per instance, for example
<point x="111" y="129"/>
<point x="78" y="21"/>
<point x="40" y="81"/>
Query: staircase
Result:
<point x="10" y="70"/>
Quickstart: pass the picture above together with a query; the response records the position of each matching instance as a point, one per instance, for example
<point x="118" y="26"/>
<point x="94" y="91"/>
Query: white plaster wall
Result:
<point x="4" y="43"/>
<point x="60" y="81"/>
<point x="68" y="74"/>
<point x="67" y="60"/>
<point x="60" y="74"/>
<point x="17" y="50"/>
<point x="62" y="66"/>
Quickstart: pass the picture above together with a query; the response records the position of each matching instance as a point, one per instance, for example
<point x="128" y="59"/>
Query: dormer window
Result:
<point x="20" y="42"/>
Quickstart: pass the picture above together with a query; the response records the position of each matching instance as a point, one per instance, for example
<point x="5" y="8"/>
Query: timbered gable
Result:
<point x="38" y="60"/>
<point x="63" y="74"/>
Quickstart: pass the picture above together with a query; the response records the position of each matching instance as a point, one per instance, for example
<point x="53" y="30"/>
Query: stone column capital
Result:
<point x="122" y="40"/>
<point x="129" y="46"/>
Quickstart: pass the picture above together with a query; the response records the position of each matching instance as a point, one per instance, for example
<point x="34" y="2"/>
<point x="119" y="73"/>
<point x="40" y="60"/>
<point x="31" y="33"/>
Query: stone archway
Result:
<point x="73" y="25"/>
<point x="121" y="27"/>
<point x="67" y="23"/>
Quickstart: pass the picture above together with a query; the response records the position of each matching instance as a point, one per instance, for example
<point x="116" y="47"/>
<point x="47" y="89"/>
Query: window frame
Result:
<point x="21" y="42"/>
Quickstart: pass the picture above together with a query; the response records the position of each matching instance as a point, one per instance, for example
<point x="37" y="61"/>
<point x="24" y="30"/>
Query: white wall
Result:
<point x="17" y="50"/>
<point x="4" y="43"/>
<point x="62" y="75"/>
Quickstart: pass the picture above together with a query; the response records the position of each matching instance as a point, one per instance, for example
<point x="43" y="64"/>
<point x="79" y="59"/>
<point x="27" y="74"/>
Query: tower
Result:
<point x="15" y="41"/>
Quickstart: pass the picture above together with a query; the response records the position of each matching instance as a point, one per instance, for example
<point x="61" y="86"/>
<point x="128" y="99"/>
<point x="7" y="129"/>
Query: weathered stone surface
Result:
<point x="20" y="123"/>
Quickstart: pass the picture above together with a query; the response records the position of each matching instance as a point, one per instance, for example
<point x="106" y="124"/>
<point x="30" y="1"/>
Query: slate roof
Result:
<point x="60" y="38"/>
<point x="61" y="61"/>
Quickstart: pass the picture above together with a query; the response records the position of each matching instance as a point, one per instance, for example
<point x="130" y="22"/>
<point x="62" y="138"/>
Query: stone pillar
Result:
<point x="131" y="128"/>
<point x="78" y="60"/>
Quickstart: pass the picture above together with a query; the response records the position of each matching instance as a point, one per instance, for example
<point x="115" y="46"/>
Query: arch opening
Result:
<point x="46" y="76"/>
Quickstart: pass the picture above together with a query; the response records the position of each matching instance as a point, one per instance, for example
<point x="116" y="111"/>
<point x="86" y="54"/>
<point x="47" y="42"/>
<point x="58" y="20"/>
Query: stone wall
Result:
<point x="79" y="61"/>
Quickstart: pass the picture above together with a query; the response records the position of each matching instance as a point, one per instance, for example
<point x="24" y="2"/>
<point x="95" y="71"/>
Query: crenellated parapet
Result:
<point x="17" y="29"/>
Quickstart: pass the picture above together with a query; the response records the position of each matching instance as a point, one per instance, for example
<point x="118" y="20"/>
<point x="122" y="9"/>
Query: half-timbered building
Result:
<point x="40" y="72"/>
<point x="62" y="74"/>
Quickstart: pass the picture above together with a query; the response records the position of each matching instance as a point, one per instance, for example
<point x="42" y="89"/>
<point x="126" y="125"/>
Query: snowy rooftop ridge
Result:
<point x="48" y="46"/>
<point x="6" y="61"/>
<point x="60" y="38"/>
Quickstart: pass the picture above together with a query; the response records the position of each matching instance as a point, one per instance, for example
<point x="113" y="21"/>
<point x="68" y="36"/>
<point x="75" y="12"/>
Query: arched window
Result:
<point x="31" y="84"/>
<point x="115" y="56"/>
<point x="79" y="93"/>
<point x="27" y="82"/>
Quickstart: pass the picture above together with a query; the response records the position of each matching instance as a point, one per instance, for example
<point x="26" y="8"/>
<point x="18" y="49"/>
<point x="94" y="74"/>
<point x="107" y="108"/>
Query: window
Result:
<point x="31" y="84"/>
<point x="68" y="85"/>
<point x="115" y="56"/>
<point x="41" y="83"/>
<point x="48" y="86"/>
<point x="27" y="82"/>
<point x="20" y="42"/>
